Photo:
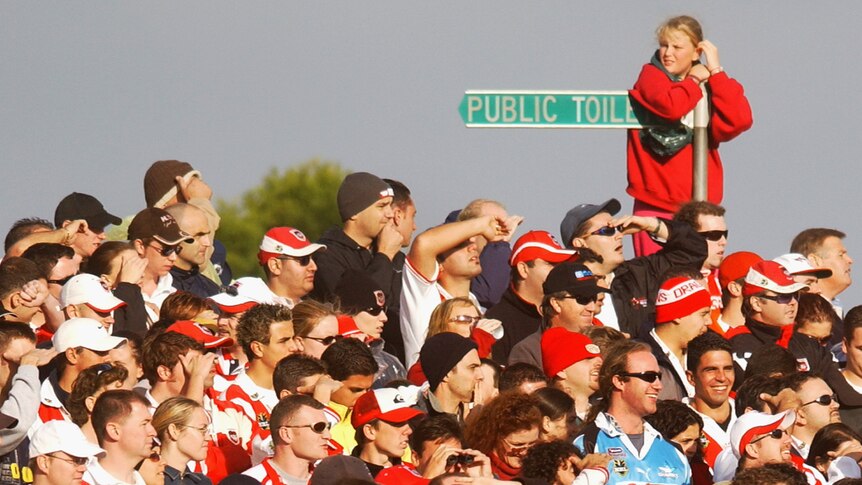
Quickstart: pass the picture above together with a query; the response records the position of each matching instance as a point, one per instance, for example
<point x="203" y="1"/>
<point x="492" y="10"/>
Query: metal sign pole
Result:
<point x="701" y="141"/>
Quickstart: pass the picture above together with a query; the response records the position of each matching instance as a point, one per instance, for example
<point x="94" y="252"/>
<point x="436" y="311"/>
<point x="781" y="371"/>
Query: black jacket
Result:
<point x="192" y="281"/>
<point x="519" y="318"/>
<point x="636" y="281"/>
<point x="672" y="384"/>
<point x="343" y="253"/>
<point x="133" y="316"/>
<point x="810" y="356"/>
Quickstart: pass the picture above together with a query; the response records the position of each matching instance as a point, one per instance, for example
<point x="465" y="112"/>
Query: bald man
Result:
<point x="193" y="255"/>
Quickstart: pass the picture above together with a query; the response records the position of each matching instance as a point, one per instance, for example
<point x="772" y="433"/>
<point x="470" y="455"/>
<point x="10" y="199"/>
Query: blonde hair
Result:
<point x="440" y="316"/>
<point x="682" y="23"/>
<point x="307" y="314"/>
<point x="177" y="411"/>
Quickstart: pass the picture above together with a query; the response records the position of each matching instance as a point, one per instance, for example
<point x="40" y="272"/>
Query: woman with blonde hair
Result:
<point x="184" y="430"/>
<point x="459" y="315"/>
<point x="316" y="325"/>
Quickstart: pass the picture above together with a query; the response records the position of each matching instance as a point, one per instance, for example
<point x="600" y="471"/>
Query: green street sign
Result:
<point x="551" y="109"/>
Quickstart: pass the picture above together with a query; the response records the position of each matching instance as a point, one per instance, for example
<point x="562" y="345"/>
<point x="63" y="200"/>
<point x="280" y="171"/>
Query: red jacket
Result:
<point x="667" y="183"/>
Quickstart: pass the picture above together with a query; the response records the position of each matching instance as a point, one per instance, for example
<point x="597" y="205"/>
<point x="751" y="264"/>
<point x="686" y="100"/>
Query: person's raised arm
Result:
<point x="437" y="240"/>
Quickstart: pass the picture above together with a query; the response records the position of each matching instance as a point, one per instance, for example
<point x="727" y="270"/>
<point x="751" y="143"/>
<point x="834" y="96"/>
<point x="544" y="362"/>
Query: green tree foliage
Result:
<point x="302" y="197"/>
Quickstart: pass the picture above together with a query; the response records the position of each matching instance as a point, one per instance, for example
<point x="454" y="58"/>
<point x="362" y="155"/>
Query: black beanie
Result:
<point x="357" y="291"/>
<point x="441" y="353"/>
<point x="358" y="191"/>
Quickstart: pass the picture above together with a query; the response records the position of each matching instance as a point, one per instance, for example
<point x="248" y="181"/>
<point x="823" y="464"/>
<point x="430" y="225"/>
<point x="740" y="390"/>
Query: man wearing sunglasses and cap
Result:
<point x="634" y="283"/>
<point x="59" y="453"/>
<point x="89" y="236"/>
<point x="571" y="292"/>
<point x="300" y="436"/>
<point x="629" y="384"/>
<point x="381" y="418"/>
<point x="156" y="237"/>
<point x="287" y="259"/>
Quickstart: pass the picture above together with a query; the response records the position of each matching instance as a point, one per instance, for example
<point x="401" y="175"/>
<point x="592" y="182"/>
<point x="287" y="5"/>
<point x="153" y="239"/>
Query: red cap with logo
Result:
<point x="736" y="266"/>
<point x="769" y="275"/>
<point x="389" y="405"/>
<point x="285" y="241"/>
<point x="540" y="245"/>
<point x="679" y="297"/>
<point x="562" y="348"/>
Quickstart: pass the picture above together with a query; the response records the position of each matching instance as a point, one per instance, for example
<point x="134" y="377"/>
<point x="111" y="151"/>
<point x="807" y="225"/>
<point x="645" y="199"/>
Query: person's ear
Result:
<point x="42" y="463"/>
<point x="71" y="356"/>
<point x="89" y="403"/>
<point x="164" y="373"/>
<point x="546" y="424"/>
<point x="256" y="349"/>
<point x="617" y="382"/>
<point x="755" y="304"/>
<point x="397" y="215"/>
<point x="815" y="260"/>
<point x="555" y="304"/>
<point x="71" y="311"/>
<point x="369" y="432"/>
<point x="112" y="430"/>
<point x="522" y="269"/>
<point x="283" y="394"/>
<point x="752" y="450"/>
<point x="690" y="376"/>
<point x="579" y="242"/>
<point x="274" y="266"/>
<point x="173" y="432"/>
<point x="734" y="288"/>
<point x="139" y="247"/>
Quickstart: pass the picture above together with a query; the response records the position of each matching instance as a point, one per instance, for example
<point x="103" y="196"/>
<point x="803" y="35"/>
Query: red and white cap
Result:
<point x="200" y="333"/>
<point x="769" y="275"/>
<point x="753" y="424"/>
<point x="389" y="405"/>
<point x="84" y="332"/>
<point x="797" y="264"/>
<point x="87" y="289"/>
<point x="540" y="245"/>
<point x="243" y="294"/>
<point x="679" y="297"/>
<point x="562" y="348"/>
<point x="285" y="241"/>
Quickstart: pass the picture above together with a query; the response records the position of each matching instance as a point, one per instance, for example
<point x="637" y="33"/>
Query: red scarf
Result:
<point x="502" y="470"/>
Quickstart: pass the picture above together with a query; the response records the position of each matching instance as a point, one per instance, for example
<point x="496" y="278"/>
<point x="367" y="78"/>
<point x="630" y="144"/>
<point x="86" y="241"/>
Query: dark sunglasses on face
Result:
<point x="326" y="340"/>
<point x="318" y="427"/>
<point x="607" y="231"/>
<point x="775" y="434"/>
<point x="714" y="235"/>
<point x="302" y="260"/>
<point x="782" y="299"/>
<point x="167" y="251"/>
<point x="824" y="400"/>
<point x="62" y="281"/>
<point x="648" y="376"/>
<point x="583" y="300"/>
<point x="375" y="310"/>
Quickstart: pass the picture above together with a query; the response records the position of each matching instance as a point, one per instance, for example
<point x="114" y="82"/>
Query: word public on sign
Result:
<point x="552" y="109"/>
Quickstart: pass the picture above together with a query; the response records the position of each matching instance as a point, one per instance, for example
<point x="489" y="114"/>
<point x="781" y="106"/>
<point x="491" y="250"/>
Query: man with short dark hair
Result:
<point x="851" y="414"/>
<point x="124" y="429"/>
<point x="381" y="418"/>
<point x="287" y="259"/>
<point x="194" y="252"/>
<point x="57" y="262"/>
<point x="404" y="220"/>
<point x="350" y="362"/>
<point x="428" y="436"/>
<point x="522" y="376"/>
<point x="266" y="334"/>
<point x="298" y="374"/>
<point x="300" y="435"/>
<point x="818" y="407"/>
<point x="156" y="237"/>
<point x="633" y="283"/>
<point x="23" y="290"/>
<point x="824" y="248"/>
<point x="28" y="231"/>
<point x="731" y="278"/>
<point x="89" y="236"/>
<point x="533" y="256"/>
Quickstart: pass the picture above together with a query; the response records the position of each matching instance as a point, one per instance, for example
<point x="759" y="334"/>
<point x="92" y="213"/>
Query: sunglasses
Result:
<point x="465" y="319"/>
<point x="167" y="251"/>
<point x="648" y="376"/>
<point x="326" y="340"/>
<point x="583" y="300"/>
<point x="714" y="236"/>
<point x="824" y="400"/>
<point x="154" y="458"/>
<point x="607" y="231"/>
<point x="302" y="260"/>
<point x="782" y="299"/>
<point x="75" y="460"/>
<point x="62" y="281"/>
<point x="775" y="434"/>
<point x="375" y="310"/>
<point x="318" y="427"/>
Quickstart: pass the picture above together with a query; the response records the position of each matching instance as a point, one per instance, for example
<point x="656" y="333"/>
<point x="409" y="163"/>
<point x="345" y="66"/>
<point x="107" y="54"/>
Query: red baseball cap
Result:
<point x="736" y="266"/>
<point x="540" y="245"/>
<point x="286" y="241"/>
<point x="562" y="348"/>
<point x="201" y="334"/>
<point x="389" y="405"/>
<point x="347" y="326"/>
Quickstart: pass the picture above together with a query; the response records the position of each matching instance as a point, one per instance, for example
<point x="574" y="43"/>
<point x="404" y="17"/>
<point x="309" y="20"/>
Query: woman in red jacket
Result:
<point x="660" y="158"/>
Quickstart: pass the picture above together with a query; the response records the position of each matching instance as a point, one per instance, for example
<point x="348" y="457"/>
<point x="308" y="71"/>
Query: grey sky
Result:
<point x="92" y="93"/>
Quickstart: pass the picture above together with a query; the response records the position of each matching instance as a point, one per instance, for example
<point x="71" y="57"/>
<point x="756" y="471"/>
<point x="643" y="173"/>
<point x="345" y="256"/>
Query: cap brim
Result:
<point x="103" y="220"/>
<point x="219" y="342"/>
<point x="566" y="257"/>
<point x="182" y="238"/>
<point x="818" y="273"/>
<point x="232" y="304"/>
<point x="105" y="344"/>
<point x="105" y="303"/>
<point x="7" y="422"/>
<point x="82" y="449"/>
<point x="399" y="416"/>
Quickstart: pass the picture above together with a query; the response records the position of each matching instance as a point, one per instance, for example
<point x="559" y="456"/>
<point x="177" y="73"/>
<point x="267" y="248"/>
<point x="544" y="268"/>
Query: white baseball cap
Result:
<point x="62" y="435"/>
<point x="86" y="288"/>
<point x="754" y="423"/>
<point x="84" y="332"/>
<point x="243" y="294"/>
<point x="797" y="264"/>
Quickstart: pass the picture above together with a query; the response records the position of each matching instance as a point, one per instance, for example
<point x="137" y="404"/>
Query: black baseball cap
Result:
<point x="573" y="278"/>
<point x="82" y="206"/>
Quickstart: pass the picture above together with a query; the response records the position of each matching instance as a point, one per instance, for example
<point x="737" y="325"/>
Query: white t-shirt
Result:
<point x="96" y="475"/>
